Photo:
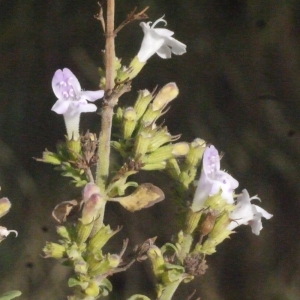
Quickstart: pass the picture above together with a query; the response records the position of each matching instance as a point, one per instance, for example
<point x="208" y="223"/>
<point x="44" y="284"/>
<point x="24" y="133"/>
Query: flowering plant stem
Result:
<point x="169" y="290"/>
<point x="107" y="111"/>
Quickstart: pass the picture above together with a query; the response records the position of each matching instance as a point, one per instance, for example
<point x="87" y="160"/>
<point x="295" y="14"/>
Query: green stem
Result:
<point x="169" y="290"/>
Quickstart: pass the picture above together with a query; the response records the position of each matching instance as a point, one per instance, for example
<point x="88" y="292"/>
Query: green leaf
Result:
<point x="10" y="295"/>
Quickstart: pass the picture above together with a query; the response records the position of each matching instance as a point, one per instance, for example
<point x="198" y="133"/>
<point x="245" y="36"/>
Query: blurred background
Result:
<point x="239" y="90"/>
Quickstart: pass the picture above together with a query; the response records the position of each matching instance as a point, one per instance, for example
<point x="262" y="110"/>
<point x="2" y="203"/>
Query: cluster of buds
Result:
<point x="149" y="144"/>
<point x="81" y="246"/>
<point x="74" y="158"/>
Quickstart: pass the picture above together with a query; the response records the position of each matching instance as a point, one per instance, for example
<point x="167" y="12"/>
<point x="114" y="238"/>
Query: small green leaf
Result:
<point x="10" y="295"/>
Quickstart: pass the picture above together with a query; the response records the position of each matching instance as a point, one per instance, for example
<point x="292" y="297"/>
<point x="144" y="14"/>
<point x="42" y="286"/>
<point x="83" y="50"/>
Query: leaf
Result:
<point x="64" y="209"/>
<point x="144" y="196"/>
<point x="10" y="295"/>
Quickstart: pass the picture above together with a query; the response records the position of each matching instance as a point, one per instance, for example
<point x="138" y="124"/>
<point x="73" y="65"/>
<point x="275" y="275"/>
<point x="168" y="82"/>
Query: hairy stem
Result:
<point x="107" y="111"/>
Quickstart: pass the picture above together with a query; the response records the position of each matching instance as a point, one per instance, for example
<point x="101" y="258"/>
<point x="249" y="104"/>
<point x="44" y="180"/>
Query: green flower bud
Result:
<point x="169" y="92"/>
<point x="129" y="122"/>
<point x="63" y="232"/>
<point x="92" y="289"/>
<point x="173" y="168"/>
<point x="166" y="152"/>
<point x="161" y="136"/>
<point x="83" y="232"/>
<point x="142" y="102"/>
<point x="80" y="266"/>
<point x="54" y="250"/>
<point x="141" y="143"/>
<point x="101" y="238"/>
<point x="195" y="154"/>
<point x="192" y="220"/>
<point x="156" y="166"/>
<point x="111" y="261"/>
<point x="157" y="260"/>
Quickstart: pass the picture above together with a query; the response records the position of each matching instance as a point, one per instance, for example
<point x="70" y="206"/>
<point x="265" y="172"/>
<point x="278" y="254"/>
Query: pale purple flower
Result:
<point x="159" y="41"/>
<point x="72" y="101"/>
<point x="213" y="180"/>
<point x="246" y="213"/>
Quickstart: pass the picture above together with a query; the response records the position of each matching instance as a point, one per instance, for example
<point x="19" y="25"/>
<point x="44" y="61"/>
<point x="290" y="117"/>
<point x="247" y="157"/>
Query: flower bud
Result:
<point x="63" y="232"/>
<point x="91" y="208"/>
<point x="162" y="136"/>
<point x="5" y="206"/>
<point x="156" y="166"/>
<point x="173" y="168"/>
<point x="92" y="289"/>
<point x="83" y="231"/>
<point x="103" y="265"/>
<point x="142" y="102"/>
<point x="54" y="250"/>
<point x="129" y="122"/>
<point x="101" y="237"/>
<point x="166" y="152"/>
<point x="195" y="154"/>
<point x="157" y="260"/>
<point x="192" y="220"/>
<point x="142" y="142"/>
<point x="80" y="266"/>
<point x="168" y="93"/>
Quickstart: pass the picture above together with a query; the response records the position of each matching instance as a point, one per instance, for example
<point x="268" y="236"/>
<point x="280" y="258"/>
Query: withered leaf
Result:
<point x="64" y="209"/>
<point x="144" y="196"/>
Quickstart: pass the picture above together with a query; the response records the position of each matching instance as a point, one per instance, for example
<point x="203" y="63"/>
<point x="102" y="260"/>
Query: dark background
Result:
<point x="239" y="90"/>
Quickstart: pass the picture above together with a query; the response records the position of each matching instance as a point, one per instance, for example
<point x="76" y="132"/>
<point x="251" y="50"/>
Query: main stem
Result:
<point x="107" y="110"/>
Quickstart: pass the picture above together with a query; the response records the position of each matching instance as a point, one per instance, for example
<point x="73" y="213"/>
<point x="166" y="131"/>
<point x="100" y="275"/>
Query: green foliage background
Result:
<point x="239" y="90"/>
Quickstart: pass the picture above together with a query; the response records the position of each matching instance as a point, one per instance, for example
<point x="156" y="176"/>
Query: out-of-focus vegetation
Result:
<point x="239" y="89"/>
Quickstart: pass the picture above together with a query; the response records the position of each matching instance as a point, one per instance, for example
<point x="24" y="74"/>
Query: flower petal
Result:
<point x="57" y="79"/>
<point x="164" y="52"/>
<point x="72" y="80"/>
<point x="177" y="47"/>
<point x="61" y="106"/>
<point x="92" y="95"/>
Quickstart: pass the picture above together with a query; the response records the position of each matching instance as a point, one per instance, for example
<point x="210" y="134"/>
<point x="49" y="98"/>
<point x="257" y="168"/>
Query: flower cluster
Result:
<point x="214" y="201"/>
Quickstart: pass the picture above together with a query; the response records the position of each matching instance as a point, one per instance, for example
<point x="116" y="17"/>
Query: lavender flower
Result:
<point x="246" y="213"/>
<point x="72" y="101"/>
<point x="159" y="41"/>
<point x="213" y="180"/>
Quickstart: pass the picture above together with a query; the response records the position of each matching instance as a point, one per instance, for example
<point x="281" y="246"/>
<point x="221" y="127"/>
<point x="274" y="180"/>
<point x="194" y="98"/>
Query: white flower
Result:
<point x="246" y="213"/>
<point x="4" y="233"/>
<point x="159" y="41"/>
<point x="72" y="101"/>
<point x="212" y="180"/>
